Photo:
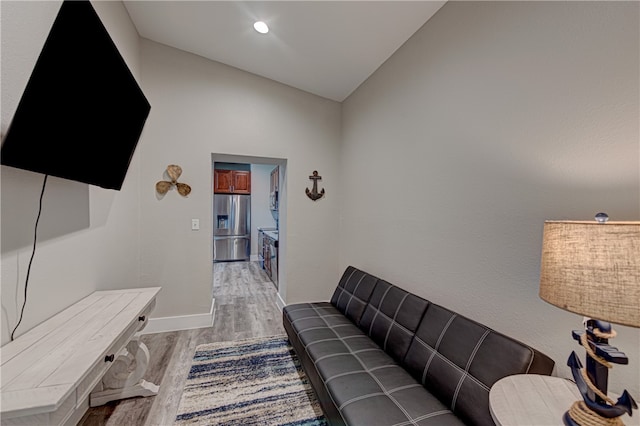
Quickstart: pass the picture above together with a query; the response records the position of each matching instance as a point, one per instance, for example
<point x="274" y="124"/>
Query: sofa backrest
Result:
<point x="458" y="360"/>
<point x="353" y="293"/>
<point x="391" y="318"/>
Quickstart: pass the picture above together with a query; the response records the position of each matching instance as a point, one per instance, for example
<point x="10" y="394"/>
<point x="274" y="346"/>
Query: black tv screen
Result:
<point x="82" y="112"/>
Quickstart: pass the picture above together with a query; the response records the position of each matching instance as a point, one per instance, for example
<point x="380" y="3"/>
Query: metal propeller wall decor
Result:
<point x="174" y="172"/>
<point x="314" y="194"/>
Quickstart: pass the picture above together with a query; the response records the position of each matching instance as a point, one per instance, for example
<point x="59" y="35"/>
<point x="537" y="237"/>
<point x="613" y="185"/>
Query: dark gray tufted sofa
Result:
<point x="378" y="355"/>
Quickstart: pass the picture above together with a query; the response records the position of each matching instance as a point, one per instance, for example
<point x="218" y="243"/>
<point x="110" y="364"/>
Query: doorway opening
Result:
<point x="262" y="243"/>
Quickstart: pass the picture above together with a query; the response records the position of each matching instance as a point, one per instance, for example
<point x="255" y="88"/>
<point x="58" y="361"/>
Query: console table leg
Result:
<point x="124" y="378"/>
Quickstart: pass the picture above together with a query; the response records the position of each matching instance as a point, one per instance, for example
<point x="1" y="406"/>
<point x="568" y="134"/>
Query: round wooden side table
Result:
<point x="535" y="400"/>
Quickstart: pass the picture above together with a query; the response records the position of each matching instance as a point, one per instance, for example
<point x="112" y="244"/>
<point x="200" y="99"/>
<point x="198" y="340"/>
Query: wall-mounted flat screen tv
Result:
<point x="82" y="112"/>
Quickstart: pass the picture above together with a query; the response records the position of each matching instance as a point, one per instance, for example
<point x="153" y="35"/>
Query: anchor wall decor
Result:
<point x="314" y="194"/>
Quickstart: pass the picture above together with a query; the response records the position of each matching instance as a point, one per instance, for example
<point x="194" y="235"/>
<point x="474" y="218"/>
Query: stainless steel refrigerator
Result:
<point x="231" y="227"/>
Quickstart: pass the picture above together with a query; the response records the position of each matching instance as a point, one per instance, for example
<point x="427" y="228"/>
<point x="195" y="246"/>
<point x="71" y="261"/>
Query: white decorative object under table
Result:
<point x="86" y="355"/>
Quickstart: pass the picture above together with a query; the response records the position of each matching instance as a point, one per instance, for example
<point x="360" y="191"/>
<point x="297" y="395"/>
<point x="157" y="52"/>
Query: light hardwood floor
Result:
<point x="245" y="307"/>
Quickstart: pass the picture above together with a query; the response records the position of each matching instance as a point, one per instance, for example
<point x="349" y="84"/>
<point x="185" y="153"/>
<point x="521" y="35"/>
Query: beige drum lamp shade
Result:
<point x="593" y="269"/>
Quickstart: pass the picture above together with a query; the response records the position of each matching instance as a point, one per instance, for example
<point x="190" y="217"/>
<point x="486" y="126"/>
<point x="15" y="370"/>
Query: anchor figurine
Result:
<point x="314" y="194"/>
<point x="600" y="354"/>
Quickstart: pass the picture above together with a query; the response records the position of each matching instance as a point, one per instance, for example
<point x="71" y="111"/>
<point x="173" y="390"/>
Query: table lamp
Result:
<point x="592" y="268"/>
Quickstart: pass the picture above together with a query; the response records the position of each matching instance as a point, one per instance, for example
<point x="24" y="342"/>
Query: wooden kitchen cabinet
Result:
<point x="232" y="182"/>
<point x="241" y="182"/>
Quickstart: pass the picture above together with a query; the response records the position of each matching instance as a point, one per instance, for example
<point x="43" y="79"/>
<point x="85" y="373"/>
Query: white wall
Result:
<point x="87" y="236"/>
<point x="492" y="118"/>
<point x="200" y="108"/>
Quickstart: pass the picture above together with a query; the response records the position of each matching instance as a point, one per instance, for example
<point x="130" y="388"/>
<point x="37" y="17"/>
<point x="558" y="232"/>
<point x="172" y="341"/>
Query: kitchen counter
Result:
<point x="268" y="252"/>
<point x="271" y="234"/>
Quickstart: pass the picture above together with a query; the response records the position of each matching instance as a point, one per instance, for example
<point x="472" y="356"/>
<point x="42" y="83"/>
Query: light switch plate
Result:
<point x="195" y="224"/>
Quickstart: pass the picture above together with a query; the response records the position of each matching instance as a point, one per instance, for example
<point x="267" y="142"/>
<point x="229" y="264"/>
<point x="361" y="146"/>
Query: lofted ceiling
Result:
<point x="327" y="48"/>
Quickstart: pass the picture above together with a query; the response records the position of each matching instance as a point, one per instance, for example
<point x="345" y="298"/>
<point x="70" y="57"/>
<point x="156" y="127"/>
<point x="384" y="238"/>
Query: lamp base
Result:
<point x="568" y="421"/>
<point x="580" y="415"/>
<point x="596" y="408"/>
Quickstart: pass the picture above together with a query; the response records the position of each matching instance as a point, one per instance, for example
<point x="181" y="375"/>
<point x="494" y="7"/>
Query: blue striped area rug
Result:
<point x="248" y="382"/>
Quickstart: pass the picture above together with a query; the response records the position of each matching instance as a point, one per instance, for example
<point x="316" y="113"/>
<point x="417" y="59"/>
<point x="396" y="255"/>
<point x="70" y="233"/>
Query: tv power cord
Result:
<point x="33" y="252"/>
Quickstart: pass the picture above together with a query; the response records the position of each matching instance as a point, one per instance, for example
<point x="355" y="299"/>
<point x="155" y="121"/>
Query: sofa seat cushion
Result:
<point x="299" y="311"/>
<point x="366" y="385"/>
<point x="388" y="396"/>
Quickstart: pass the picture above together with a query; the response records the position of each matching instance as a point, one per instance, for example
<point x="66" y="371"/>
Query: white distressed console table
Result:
<point x="87" y="355"/>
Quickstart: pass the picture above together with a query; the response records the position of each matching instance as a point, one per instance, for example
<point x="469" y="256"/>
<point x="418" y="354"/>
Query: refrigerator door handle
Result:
<point x="231" y="237"/>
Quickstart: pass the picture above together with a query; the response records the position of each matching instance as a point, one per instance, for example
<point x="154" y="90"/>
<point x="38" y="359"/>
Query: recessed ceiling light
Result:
<point x="261" y="27"/>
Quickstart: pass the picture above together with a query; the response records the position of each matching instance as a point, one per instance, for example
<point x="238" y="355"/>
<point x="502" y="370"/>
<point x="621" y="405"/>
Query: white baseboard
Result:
<point x="280" y="303"/>
<point x="182" y="322"/>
